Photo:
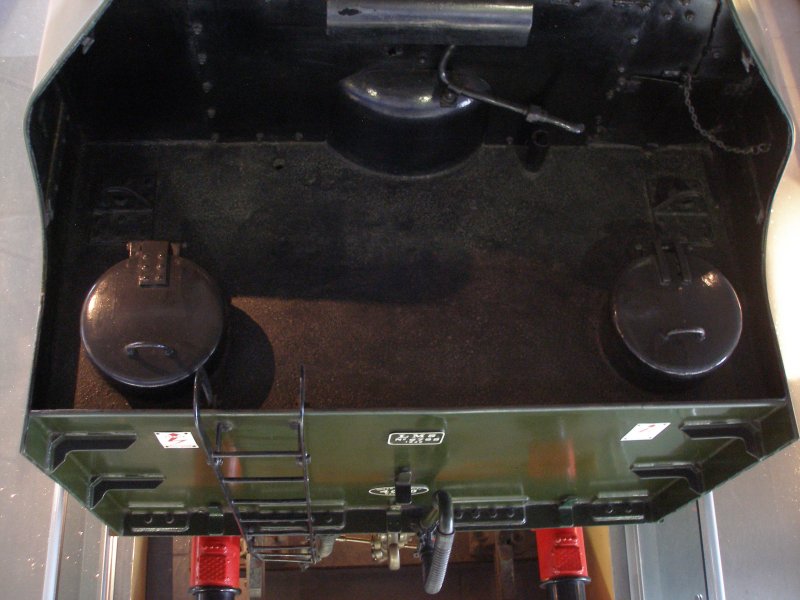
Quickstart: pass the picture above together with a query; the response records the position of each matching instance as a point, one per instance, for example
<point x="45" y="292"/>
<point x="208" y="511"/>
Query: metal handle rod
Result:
<point x="532" y="113"/>
<point x="696" y="331"/>
<point x="132" y="348"/>
<point x="471" y="93"/>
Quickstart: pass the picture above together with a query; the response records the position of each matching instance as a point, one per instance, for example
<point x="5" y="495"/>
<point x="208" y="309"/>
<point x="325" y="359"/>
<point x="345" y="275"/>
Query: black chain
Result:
<point x="753" y="150"/>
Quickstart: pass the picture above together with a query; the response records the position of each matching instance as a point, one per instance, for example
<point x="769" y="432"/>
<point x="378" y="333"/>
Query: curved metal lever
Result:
<point x="532" y="113"/>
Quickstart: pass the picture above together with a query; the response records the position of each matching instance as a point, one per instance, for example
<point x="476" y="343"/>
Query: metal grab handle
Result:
<point x="440" y="522"/>
<point x="696" y="331"/>
<point x="202" y="388"/>
<point x="132" y="348"/>
<point x="532" y="113"/>
<point x="202" y="391"/>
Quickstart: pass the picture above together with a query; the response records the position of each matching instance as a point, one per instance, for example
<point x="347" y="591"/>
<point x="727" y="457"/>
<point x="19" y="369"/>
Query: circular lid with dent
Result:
<point x="153" y="319"/>
<point x="678" y="315"/>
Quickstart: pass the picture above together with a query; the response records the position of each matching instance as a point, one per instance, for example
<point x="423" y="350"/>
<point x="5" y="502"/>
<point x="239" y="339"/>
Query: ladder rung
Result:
<point x="282" y="531"/>
<point x="263" y="480"/>
<point x="258" y="454"/>
<point x="275" y="519"/>
<point x="306" y="561"/>
<point x="280" y="556"/>
<point x="278" y="502"/>
<point x="291" y="522"/>
<point x="300" y="534"/>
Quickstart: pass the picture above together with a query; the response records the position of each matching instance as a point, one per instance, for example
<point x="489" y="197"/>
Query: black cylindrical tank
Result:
<point x="396" y="118"/>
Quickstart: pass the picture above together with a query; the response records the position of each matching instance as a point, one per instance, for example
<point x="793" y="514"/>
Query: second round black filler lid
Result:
<point x="677" y="314"/>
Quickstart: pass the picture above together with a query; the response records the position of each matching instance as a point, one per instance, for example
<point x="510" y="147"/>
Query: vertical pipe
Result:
<point x="633" y="549"/>
<point x="214" y="567"/>
<point x="715" y="581"/>
<point x="108" y="565"/>
<point x="139" y="569"/>
<point x="55" y="540"/>
<point x="562" y="563"/>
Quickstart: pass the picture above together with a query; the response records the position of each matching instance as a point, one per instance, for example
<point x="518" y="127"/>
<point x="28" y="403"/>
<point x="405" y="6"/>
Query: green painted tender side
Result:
<point x="564" y="466"/>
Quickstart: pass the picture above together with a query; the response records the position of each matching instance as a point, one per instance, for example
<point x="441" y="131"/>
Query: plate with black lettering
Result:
<point x="416" y="438"/>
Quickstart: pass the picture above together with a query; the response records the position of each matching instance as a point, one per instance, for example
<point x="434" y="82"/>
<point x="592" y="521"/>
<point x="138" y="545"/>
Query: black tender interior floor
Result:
<point x="485" y="286"/>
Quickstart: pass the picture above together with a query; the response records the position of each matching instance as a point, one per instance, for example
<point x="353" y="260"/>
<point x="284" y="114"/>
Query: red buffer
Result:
<point x="562" y="563"/>
<point x="215" y="567"/>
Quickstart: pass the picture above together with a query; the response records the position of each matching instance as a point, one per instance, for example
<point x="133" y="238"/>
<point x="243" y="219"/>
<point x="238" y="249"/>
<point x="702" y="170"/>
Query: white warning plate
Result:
<point x="176" y="439"/>
<point x="644" y="431"/>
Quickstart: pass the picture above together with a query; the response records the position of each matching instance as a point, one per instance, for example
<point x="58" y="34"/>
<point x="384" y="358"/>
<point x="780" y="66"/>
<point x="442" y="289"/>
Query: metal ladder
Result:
<point x="261" y="522"/>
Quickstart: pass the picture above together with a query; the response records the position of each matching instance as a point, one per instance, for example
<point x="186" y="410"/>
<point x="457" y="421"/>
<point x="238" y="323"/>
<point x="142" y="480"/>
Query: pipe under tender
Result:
<point x="562" y="563"/>
<point x="440" y="522"/>
<point x="215" y="567"/>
